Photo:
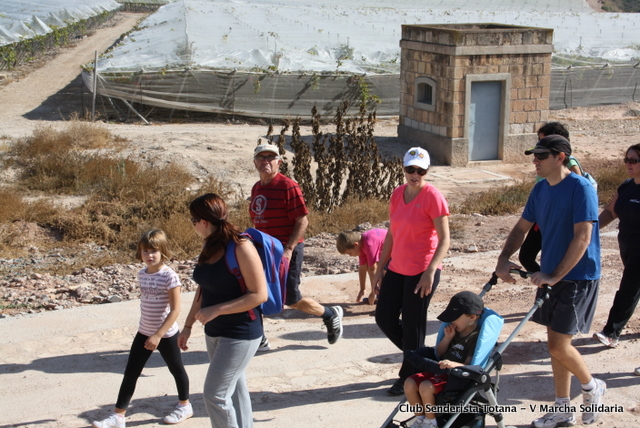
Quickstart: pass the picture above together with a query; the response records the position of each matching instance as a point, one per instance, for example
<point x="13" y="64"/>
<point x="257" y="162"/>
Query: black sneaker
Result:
<point x="264" y="344"/>
<point x="397" y="388"/>
<point x="334" y="325"/>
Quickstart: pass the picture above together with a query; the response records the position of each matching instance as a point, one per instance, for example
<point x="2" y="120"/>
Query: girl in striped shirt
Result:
<point x="158" y="329"/>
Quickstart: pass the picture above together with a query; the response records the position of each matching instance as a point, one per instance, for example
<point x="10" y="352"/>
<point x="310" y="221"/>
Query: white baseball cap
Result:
<point x="417" y="156"/>
<point x="267" y="148"/>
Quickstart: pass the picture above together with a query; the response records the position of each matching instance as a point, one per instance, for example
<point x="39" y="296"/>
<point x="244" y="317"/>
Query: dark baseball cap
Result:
<point x="463" y="303"/>
<point x="551" y="143"/>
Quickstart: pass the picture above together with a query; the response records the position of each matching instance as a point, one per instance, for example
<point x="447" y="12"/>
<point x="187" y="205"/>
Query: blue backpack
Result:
<point x="275" y="267"/>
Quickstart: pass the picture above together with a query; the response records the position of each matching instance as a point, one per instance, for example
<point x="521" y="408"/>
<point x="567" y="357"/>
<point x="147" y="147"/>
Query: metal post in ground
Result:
<point x="95" y="87"/>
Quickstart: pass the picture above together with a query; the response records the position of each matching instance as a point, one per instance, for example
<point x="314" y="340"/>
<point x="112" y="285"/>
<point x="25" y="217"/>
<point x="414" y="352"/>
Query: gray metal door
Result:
<point x="484" y="120"/>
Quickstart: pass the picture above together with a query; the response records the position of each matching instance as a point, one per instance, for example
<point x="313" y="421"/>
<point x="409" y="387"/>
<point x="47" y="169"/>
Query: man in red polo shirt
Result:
<point x="278" y="208"/>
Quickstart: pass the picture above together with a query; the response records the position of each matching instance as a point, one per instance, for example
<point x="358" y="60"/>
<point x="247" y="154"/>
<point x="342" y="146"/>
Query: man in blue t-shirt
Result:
<point x="565" y="205"/>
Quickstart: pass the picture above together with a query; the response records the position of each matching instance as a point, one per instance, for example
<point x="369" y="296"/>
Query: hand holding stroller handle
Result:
<point x="540" y="300"/>
<point x="522" y="273"/>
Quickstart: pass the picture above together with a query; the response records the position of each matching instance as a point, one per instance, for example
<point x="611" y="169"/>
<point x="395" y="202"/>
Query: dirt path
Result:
<point x="596" y="5"/>
<point x="28" y="98"/>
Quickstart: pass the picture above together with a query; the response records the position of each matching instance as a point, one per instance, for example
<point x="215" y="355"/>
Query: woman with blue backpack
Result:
<point x="230" y="313"/>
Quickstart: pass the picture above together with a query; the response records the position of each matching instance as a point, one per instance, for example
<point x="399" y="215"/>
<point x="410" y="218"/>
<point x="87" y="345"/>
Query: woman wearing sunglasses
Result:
<point x="625" y="206"/>
<point x="230" y="314"/>
<point x="415" y="245"/>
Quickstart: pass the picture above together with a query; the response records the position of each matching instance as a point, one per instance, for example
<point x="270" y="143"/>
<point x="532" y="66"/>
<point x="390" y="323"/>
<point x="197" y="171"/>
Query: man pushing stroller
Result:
<point x="565" y="206"/>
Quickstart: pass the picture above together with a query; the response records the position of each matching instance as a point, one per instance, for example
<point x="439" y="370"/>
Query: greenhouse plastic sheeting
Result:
<point x="247" y="94"/>
<point x="24" y="19"/>
<point x="359" y="37"/>
<point x="258" y="58"/>
<point x="588" y="86"/>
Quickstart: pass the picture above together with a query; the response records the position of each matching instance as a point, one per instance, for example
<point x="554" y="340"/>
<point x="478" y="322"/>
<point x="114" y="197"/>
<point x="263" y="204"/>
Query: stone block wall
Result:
<point x="449" y="54"/>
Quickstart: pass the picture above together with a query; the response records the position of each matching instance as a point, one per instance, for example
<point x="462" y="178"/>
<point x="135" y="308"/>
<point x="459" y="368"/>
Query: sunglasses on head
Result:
<point x="413" y="169"/>
<point x="631" y="161"/>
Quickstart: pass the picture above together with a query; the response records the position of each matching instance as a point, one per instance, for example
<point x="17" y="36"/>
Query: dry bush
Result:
<point x="609" y="174"/>
<point x="456" y="227"/>
<point x="15" y="213"/>
<point x="348" y="164"/>
<point x="11" y="205"/>
<point x="124" y="198"/>
<point x="239" y="214"/>
<point x="498" y="201"/>
<point x="62" y="161"/>
<point x="76" y="135"/>
<point x="185" y="242"/>
<point x="348" y="216"/>
<point x="136" y="199"/>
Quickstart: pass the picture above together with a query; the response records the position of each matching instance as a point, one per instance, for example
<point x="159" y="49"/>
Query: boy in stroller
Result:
<point x="456" y="348"/>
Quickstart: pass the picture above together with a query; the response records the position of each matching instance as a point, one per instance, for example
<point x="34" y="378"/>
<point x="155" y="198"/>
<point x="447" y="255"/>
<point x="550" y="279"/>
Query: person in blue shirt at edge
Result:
<point x="566" y="207"/>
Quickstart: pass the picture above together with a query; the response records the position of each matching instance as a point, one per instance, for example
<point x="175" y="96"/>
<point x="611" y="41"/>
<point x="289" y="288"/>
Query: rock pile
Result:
<point x="22" y="291"/>
<point x="35" y="292"/>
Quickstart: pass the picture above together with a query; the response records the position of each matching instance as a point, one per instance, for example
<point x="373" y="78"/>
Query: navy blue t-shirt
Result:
<point x="218" y="286"/>
<point x="627" y="208"/>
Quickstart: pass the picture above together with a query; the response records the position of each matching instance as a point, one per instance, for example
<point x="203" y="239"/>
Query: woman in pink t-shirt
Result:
<point x="416" y="244"/>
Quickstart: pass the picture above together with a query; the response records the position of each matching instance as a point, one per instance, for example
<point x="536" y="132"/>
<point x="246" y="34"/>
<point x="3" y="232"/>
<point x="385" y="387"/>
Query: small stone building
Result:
<point x="474" y="92"/>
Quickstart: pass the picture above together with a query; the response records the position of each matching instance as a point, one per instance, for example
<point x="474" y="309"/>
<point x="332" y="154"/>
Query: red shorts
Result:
<point x="438" y="381"/>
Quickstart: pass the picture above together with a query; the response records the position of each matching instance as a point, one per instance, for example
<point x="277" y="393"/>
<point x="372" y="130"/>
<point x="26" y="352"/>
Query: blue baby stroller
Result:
<point x="471" y="393"/>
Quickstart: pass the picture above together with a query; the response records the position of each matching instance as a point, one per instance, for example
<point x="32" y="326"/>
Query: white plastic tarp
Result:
<point x="275" y="58"/>
<point x="24" y="19"/>
<point x="360" y="37"/>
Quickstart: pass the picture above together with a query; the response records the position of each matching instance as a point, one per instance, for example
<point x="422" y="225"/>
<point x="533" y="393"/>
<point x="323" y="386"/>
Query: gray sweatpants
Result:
<point x="226" y="396"/>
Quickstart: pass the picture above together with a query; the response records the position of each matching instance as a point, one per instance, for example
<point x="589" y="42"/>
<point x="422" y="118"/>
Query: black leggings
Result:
<point x="530" y="248"/>
<point x="138" y="357"/>
<point x="627" y="296"/>
<point x="402" y="315"/>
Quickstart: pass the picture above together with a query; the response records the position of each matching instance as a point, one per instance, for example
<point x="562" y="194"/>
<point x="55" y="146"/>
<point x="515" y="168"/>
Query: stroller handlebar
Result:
<point x="523" y="274"/>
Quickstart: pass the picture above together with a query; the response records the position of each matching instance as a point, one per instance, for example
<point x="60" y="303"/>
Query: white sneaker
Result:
<point x="113" y="421"/>
<point x="179" y="414"/>
<point x="637" y="371"/>
<point x="430" y="423"/>
<point x="418" y="422"/>
<point x="552" y="420"/>
<point x="593" y="398"/>
<point x="609" y="342"/>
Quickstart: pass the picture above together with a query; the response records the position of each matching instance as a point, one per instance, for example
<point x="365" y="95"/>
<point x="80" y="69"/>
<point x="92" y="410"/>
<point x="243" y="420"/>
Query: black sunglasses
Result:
<point x="541" y="156"/>
<point x="631" y="161"/>
<point x="268" y="158"/>
<point x="411" y="169"/>
<point x="194" y="220"/>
